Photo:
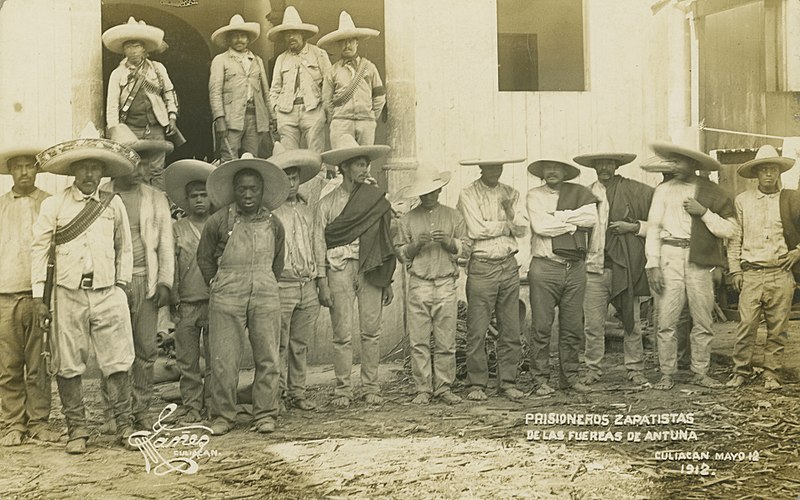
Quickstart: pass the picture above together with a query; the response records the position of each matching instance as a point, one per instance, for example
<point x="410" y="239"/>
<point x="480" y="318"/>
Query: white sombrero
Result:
<point x="179" y="174"/>
<point x="220" y="182"/>
<point x="490" y="162"/>
<point x="570" y="171"/>
<point x="427" y="180"/>
<point x="150" y="36"/>
<point x="346" y="30"/>
<point x="667" y="149"/>
<point x="122" y="134"/>
<point x="620" y="158"/>
<point x="292" y="22"/>
<point x="306" y="161"/>
<point x="765" y="154"/>
<point x="20" y="150"/>
<point x="657" y="164"/>
<point x="353" y="150"/>
<point x="117" y="159"/>
<point x="237" y="23"/>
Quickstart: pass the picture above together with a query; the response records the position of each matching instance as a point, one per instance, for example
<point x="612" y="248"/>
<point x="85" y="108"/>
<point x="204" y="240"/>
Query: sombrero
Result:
<point x="353" y="150"/>
<point x="346" y="30"/>
<point x="150" y="36"/>
<point x="765" y="154"/>
<point x="427" y="180"/>
<point x="117" y="159"/>
<point x="292" y="22"/>
<point x="490" y="162"/>
<point x="20" y="150"/>
<point x="307" y="161"/>
<point x="179" y="174"/>
<point x="620" y="158"/>
<point x="124" y="135"/>
<point x="237" y="23"/>
<point x="570" y="171"/>
<point x="667" y="149"/>
<point x="657" y="164"/>
<point x="220" y="182"/>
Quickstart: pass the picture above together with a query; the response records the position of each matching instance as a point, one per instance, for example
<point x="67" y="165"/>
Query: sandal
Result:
<point x="771" y="383"/>
<point x="637" y="378"/>
<point x="590" y="378"/>
<point x="477" y="394"/>
<point x="664" y="384"/>
<point x="422" y="398"/>
<point x="341" y="402"/>
<point x="705" y="381"/>
<point x="544" y="390"/>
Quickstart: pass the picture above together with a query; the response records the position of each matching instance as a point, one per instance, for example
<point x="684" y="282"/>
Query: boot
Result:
<point x="119" y="394"/>
<point x="109" y="426"/>
<point x="71" y="392"/>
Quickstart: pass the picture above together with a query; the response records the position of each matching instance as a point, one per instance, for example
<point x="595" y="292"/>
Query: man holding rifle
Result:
<point x="24" y="384"/>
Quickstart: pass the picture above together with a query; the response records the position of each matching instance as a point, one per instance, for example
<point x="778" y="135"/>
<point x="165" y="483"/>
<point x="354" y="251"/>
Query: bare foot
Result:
<point x="12" y="438"/>
<point x="771" y="383"/>
<point x="477" y="395"/>
<point x="422" y="398"/>
<point x="512" y="393"/>
<point x="341" y="402"/>
<point x="373" y="399"/>
<point x="544" y="390"/>
<point x="44" y="434"/>
<point x="664" y="384"/>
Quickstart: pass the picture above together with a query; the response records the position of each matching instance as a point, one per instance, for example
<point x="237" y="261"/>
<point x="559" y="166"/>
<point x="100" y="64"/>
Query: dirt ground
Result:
<point x="469" y="450"/>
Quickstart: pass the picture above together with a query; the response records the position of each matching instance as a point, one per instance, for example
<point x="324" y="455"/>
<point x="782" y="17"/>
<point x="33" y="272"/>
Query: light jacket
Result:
<point x="227" y="91"/>
<point x="316" y="65"/>
<point x="162" y="105"/>
<point x="155" y="228"/>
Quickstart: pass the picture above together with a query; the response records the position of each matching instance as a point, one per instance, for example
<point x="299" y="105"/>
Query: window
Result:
<point x="540" y="45"/>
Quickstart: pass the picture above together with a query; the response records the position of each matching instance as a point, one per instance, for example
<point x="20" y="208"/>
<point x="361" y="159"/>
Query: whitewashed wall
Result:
<point x="50" y="74"/>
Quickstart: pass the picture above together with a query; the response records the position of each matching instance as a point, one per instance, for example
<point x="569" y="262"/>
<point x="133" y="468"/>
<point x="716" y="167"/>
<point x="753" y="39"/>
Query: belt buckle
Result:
<point x="86" y="282"/>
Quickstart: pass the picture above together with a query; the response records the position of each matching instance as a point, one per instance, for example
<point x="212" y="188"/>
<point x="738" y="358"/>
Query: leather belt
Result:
<point x="747" y="266"/>
<point x="87" y="280"/>
<point x="676" y="242"/>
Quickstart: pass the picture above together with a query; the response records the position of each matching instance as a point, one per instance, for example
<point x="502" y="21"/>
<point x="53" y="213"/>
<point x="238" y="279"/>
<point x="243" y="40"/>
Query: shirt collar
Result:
<point x="20" y="195"/>
<point x="130" y="66"/>
<point x="352" y="62"/>
<point x="78" y="195"/>
<point x="241" y="55"/>
<point x="760" y="195"/>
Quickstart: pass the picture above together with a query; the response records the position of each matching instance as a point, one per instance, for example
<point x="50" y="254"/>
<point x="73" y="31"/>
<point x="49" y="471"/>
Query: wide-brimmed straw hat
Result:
<point x="570" y="171"/>
<point x="220" y="182"/>
<point x="346" y="30"/>
<point x="620" y="158"/>
<point x="427" y="180"/>
<point x="306" y="161"/>
<point x="668" y="149"/>
<point x="116" y="36"/>
<point x="122" y="134"/>
<point x="182" y="172"/>
<point x="6" y="153"/>
<point x="657" y="165"/>
<point x="489" y="162"/>
<point x="292" y="22"/>
<point x="766" y="154"/>
<point x="352" y="150"/>
<point x="117" y="159"/>
<point x="237" y="23"/>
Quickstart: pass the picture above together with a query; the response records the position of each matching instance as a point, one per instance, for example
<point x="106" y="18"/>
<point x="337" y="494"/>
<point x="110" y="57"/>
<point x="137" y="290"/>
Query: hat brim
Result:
<point x="339" y="35"/>
<point x="116" y="36"/>
<point x="117" y="159"/>
<point x="490" y="162"/>
<point x="24" y="150"/>
<point x="181" y="173"/>
<point x="748" y="169"/>
<point x="219" y="37"/>
<point x="667" y="149"/>
<point x="657" y="165"/>
<point x="307" y="162"/>
<point x="341" y="155"/>
<point x="570" y="171"/>
<point x="620" y="158"/>
<point x="148" y="145"/>
<point x="220" y="182"/>
<point x="308" y="30"/>
<point x="430" y="185"/>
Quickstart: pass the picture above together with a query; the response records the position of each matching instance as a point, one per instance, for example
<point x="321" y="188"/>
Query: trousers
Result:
<point x="363" y="131"/>
<point x="191" y="343"/>
<point x="299" y="312"/>
<point x="246" y="140"/>
<point x="300" y="124"/>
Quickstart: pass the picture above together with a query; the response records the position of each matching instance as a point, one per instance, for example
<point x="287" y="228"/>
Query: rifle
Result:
<point x="47" y="372"/>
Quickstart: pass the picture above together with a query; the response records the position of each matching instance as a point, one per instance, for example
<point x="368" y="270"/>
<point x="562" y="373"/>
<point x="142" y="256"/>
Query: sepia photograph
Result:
<point x="290" y="249"/>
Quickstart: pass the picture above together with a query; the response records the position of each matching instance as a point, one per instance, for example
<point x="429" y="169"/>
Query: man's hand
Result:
<point x="443" y="239"/>
<point x="655" y="279"/>
<point x="324" y="293"/>
<point x="788" y="260"/>
<point x="161" y="298"/>
<point x="220" y="126"/>
<point x="622" y="227"/>
<point x="508" y="208"/>
<point x="737" y="279"/>
<point x="41" y="313"/>
<point x="693" y="207"/>
<point x="173" y="125"/>
<point x="387" y="295"/>
<point x="127" y="291"/>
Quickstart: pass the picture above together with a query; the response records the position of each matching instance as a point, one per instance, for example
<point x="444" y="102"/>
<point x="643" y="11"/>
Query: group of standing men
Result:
<point x="256" y="257"/>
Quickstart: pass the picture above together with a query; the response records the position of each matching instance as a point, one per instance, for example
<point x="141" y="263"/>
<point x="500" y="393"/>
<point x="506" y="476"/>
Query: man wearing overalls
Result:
<point x="241" y="257"/>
